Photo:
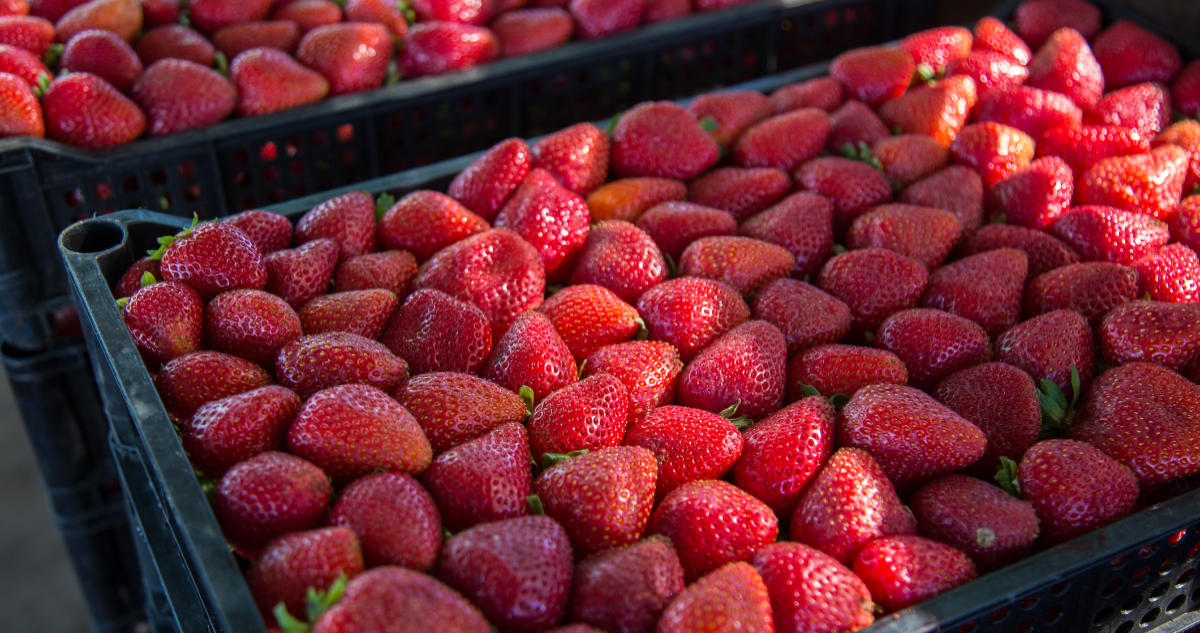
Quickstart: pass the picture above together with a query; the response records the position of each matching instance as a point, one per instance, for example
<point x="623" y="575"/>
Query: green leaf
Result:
<point x="535" y="505"/>
<point x="53" y="56"/>
<point x="320" y="601"/>
<point x="612" y="123"/>
<point x="839" y="400"/>
<point x="383" y="203"/>
<point x="393" y="75"/>
<point x="847" y="151"/>
<point x="287" y="622"/>
<point x="709" y="124"/>
<point x="43" y="84"/>
<point x="672" y="268"/>
<point x="838" y="249"/>
<point x="730" y="411"/>
<point x="147" y="279"/>
<point x="222" y="63"/>
<point x="1006" y="476"/>
<point x="1000" y="219"/>
<point x="447" y="534"/>
<point x="206" y="484"/>
<point x="550" y="460"/>
<point x="926" y="73"/>
<point x="642" y="334"/>
<point x="527" y="396"/>
<point x="1147" y="297"/>
<point x="1058" y="413"/>
<point x="809" y="391"/>
<point x="869" y="337"/>
<point x="122" y="301"/>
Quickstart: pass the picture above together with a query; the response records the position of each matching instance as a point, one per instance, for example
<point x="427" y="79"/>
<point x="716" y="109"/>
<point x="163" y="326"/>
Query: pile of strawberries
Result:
<point x="133" y="68"/>
<point x="697" y="371"/>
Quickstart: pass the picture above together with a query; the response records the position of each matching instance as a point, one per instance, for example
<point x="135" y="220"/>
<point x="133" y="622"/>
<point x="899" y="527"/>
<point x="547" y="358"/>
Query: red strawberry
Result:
<point x="731" y="598"/>
<point x="190" y="381"/>
<point x="806" y="316"/>
<point x="812" y="591"/>
<point x="690" y="313"/>
<point x="1048" y="346"/>
<point x="212" y="258"/>
<point x="854" y="123"/>
<point x="1038" y="19"/>
<point x="131" y="281"/>
<point x="1035" y="195"/>
<point x="402" y="600"/>
<point x="1101" y="233"/>
<point x="873" y="74"/>
<point x="588" y="317"/>
<point x="353" y="56"/>
<point x="1129" y="54"/>
<point x="251" y="324"/>
<point x="22" y="114"/>
<point x="29" y="33"/>
<point x="577" y="157"/>
<point x="747" y="365"/>
<point x="378" y="11"/>
<point x="852" y="186"/>
<point x="1185" y="90"/>
<point x="600" y="18"/>
<point x="1144" y="107"/>
<point x="123" y="17"/>
<point x="235" y="39"/>
<point x="626" y="589"/>
<point x="621" y="257"/>
<point x="1065" y="64"/>
<point x="782" y="453"/>
<point x="924" y="234"/>
<point x="531" y="354"/>
<point x="486" y="184"/>
<point x="477" y="12"/>
<point x="588" y="415"/>
<point x="269" y="80"/>
<point x="550" y="217"/>
<point x="802" y="223"/>
<point x="233" y="429"/>
<point x="370" y="505"/>
<point x="320" y="361"/>
<point x="348" y="219"/>
<point x="853" y="277"/>
<point x="434" y="332"/>
<point x="453" y="408"/>
<point x="689" y="445"/>
<point x="1082" y="147"/>
<point x="299" y="274"/>
<point x="14" y="7"/>
<point x="992" y="71"/>
<point x="909" y="157"/>
<point x="712" y="523"/>
<point x="675" y="225"/>
<point x="903" y="570"/>
<point x="270" y="232"/>
<point x="22" y="63"/>
<point x="784" y="141"/>
<point x="627" y="198"/>
<point x="716" y="5"/>
<point x="981" y="520"/>
<point x="666" y="10"/>
<point x="1172" y="273"/>
<point x="268" y="496"/>
<point x="297" y="563"/>
<point x="1028" y="109"/>
<point x="529" y="31"/>
<point x="1002" y="401"/>
<point x="179" y="95"/>
<point x="938" y="47"/>
<point x="740" y="192"/>
<point x="985" y="288"/>
<point x="1146" y="183"/>
<point x="362" y="312"/>
<point x="848" y="504"/>
<point x="210" y="15"/>
<point x="661" y="139"/>
<point x="175" y="41"/>
<point x="833" y="370"/>
<point x="991" y="34"/>
<point x="1074" y="488"/>
<point x="932" y="344"/>
<point x="745" y="264"/>
<point x="734" y="111"/>
<point x="1185" y="134"/>
<point x="308" y="14"/>
<point x="648" y="369"/>
<point x="1155" y="331"/>
<point x="1044" y="252"/>
<point x="104" y="54"/>
<point x="482" y="480"/>
<point x="165" y="321"/>
<point x="824" y="93"/>
<point x="1185" y="227"/>
<point x="995" y="151"/>
<point x="433" y="48"/>
<point x="83" y="110"/>
<point x="52" y="10"/>
<point x="425" y="222"/>
<point x="937" y="110"/>
<point x="602" y="499"/>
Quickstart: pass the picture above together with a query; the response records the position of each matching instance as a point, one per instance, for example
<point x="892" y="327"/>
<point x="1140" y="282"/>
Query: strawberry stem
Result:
<point x="550" y="460"/>
<point x="730" y="411"/>
<point x="1006" y="476"/>
<point x="642" y="334"/>
<point x="535" y="505"/>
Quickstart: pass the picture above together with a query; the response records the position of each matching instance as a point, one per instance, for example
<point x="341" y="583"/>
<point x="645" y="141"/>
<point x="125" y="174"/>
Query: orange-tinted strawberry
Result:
<point x="981" y="520"/>
<point x="627" y="198"/>
<point x="853" y="277"/>
<point x="784" y="141"/>
<point x="648" y="369"/>
<point x="424" y="222"/>
<point x="986" y="288"/>
<point x="873" y="74"/>
<point x="1155" y="331"/>
<point x="1002" y="401"/>
<point x="621" y="257"/>
<point x="1028" y="109"/>
<point x="165" y="320"/>
<point x="320" y="361"/>
<point x="308" y="14"/>
<point x="22" y="63"/>
<point x="712" y="523"/>
<point x="83" y="110"/>
<point x="589" y="415"/>
<point x="268" y="496"/>
<point x="1185" y="90"/>
<point x="1044" y="252"/>
<point x="529" y="31"/>
<point x="661" y="139"/>
<point x="854" y="123"/>
<point x="734" y="593"/>
<point x="1144" y="107"/>
<point x="270" y="232"/>
<point x="233" y="429"/>
<point x="235" y="39"/>
<point x="675" y="225"/>
<point x="842" y="369"/>
<point x="175" y="41"/>
<point x="550" y="217"/>
<point x="910" y="157"/>
<point x="994" y="150"/>
<point x="485" y="479"/>
<point x="123" y="17"/>
<point x="269" y="80"/>
<point x="690" y="313"/>
<point x="688" y="444"/>
<point x="353" y="56"/>
<point x="991" y="34"/>
<point x="188" y="382"/>
<point x="802" y="223"/>
<point x="932" y="344"/>
<point x="938" y="47"/>
<point x="1034" y="195"/>
<point x="378" y="11"/>
<point x="22" y="114"/>
<point x="104" y="54"/>
<point x="939" y="110"/>
<point x="806" y="315"/>
<point x="1074" y="488"/>
<point x="28" y="33"/>
<point x="1048" y="346"/>
<point x="1146" y="183"/>
<point x="1091" y="288"/>
<point x="627" y="588"/>
<point x="362" y="312"/>
<point x="588" y="317"/>
<point x="903" y="570"/>
<point x="1185" y="134"/>
<point x="531" y="354"/>
<point x="486" y="184"/>
<point x="783" y="452"/>
<point x="852" y="186"/>
<point x="992" y="71"/>
<point x="389" y="270"/>
<point x="1171" y="273"/>
<point x="251" y="324"/>
<point x="1082" y="147"/>
<point x="453" y="408"/>
<point x="734" y="111"/>
<point x="402" y="599"/>
<point x="747" y="365"/>
<point x="1038" y="19"/>
<point x="1065" y="64"/>
<point x="179" y="95"/>
<point x="600" y="18"/>
<point x="211" y="15"/>
<point x="924" y="234"/>
<point x="299" y="274"/>
<point x="370" y="506"/>
<point x="811" y="590"/>
<point x="294" y="564"/>
<point x="1106" y="234"/>
<point x="740" y="192"/>
<point x="577" y="157"/>
<point x="1129" y="54"/>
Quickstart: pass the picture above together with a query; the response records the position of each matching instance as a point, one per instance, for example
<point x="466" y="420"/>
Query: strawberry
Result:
<point x="666" y="10"/>
<point x="481" y="480"/>
<point x="1048" y="346"/>
<point x="992" y="71"/>
<point x="1147" y="183"/>
<point x="14" y="7"/>
<point x="1185" y="90"/>
<point x="1100" y="233"/>
<point x="909" y="157"/>
<point x="824" y="93"/>
<point x="1074" y="488"/>
<point x="873" y="74"/>
<point x="588" y="317"/>
<point x="932" y="344"/>
<point x="320" y="361"/>
<point x="270" y="232"/>
<point x="588" y="415"/>
<point x="104" y="54"/>
<point x="1002" y="401"/>
<point x="690" y="313"/>
<point x="235" y="39"/>
<point x="478" y="12"/>
<point x="602" y="499"/>
<point x="1144" y="107"/>
<point x="1185" y="227"/>
<point x="806" y="315"/>
<point x="621" y="257"/>
<point x="848" y="504"/>
<point x="784" y="141"/>
<point x="979" y="519"/>
<point x="740" y="192"/>
<point x="689" y="445"/>
<point x="1028" y="109"/>
<point x="675" y="225"/>
<point x="251" y="324"/>
<point x="353" y="56"/>
<point x="188" y="382"/>
<point x="995" y="151"/>
<point x="294" y="564"/>
<point x="269" y="80"/>
<point x="992" y="35"/>
<point x="833" y="370"/>
<point x="550" y="217"/>
<point x="782" y="453"/>
<point x="378" y="11"/>
<point x="453" y="408"/>
<point x="703" y="6"/>
<point x="985" y="288"/>
<point x="936" y="48"/>
<point x="22" y="63"/>
<point x="712" y="523"/>
<point x="854" y="123"/>
<point x="424" y="222"/>
<point x="743" y="263"/>
<point x="1185" y="134"/>
<point x="400" y="600"/>
<point x="938" y="110"/>
<point x="627" y="198"/>
<point x="648" y="369"/>
<point x="22" y="114"/>
<point x="435" y="332"/>
<point x="802" y="223"/>
<point x="529" y="31"/>
<point x="267" y="496"/>
<point x="309" y="14"/>
<point x="1129" y="54"/>
<point x="1044" y="252"/>
<point x="853" y="278"/>
<point x="531" y="354"/>
<point x="361" y="312"/>
<point x="211" y="15"/>
<point x="165" y="321"/>
<point x="52" y="10"/>
<point x="1171" y="273"/>
<point x="577" y="157"/>
<point x="600" y="18"/>
<point x="299" y="274"/>
<point x="903" y="570"/>
<point x="626" y="589"/>
<point x="924" y="234"/>
<point x="486" y="184"/>
<point x="370" y="505"/>
<point x="28" y="33"/>
<point x="661" y="139"/>
<point x="747" y="365"/>
<point x="83" y="110"/>
<point x="1082" y="147"/>
<point x="179" y="95"/>
<point x="433" y="48"/>
<point x="733" y="111"/>
<point x="731" y="598"/>
<point x="812" y="591"/>
<point x="131" y="280"/>
<point x="175" y="41"/>
<point x="123" y="17"/>
<point x="1035" y="195"/>
<point x="1065" y="64"/>
<point x="1156" y="331"/>
<point x="1037" y="20"/>
<point x="212" y="258"/>
<point x="852" y="186"/>
<point x="233" y="429"/>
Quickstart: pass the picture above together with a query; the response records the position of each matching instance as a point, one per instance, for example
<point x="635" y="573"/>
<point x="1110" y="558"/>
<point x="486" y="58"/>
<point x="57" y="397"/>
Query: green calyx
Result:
<point x="384" y="202"/>
<point x="612" y="123"/>
<point x="122" y="301"/>
<point x="166" y="241"/>
<point x="1006" y="476"/>
<point x="709" y="124"/>
<point x="147" y="280"/>
<point x="43" y="84"/>
<point x="222" y="63"/>
<point x="1058" y="413"/>
<point x="206" y="484"/>
<point x="550" y="460"/>
<point x="642" y="334"/>
<point x="407" y="11"/>
<point x="535" y="506"/>
<point x="861" y="153"/>
<point x="53" y="57"/>
<point x="393" y="75"/>
<point x="927" y="73"/>
<point x="318" y="603"/>
<point x="838" y="400"/>
<point x="740" y="422"/>
<point x="527" y="396"/>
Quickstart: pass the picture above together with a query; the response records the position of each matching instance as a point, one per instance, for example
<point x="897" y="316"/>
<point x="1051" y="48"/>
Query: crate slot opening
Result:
<point x="93" y="236"/>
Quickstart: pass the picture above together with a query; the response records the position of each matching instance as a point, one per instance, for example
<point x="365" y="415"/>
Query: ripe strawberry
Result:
<point x="1156" y="331"/>
<point x="909" y="157"/>
<point x="602" y="499"/>
<point x="308" y="14"/>
<point x="478" y="13"/>
<point x="212" y="258"/>
<point x="22" y="63"/>
<point x="577" y="157"/>
<point x="165" y="321"/>
<point x="987" y="524"/>
<point x="852" y="186"/>
<point x="14" y="7"/>
<point x="824" y="93"/>
<point x="190" y="381"/>
<point x="661" y="139"/>
<point x="924" y="234"/>
<point x="22" y="114"/>
<point x="666" y="10"/>
<point x="1028" y="109"/>
<point x="621" y="257"/>
<point x="1065" y="64"/>
<point x="626" y="589"/>
<point x="453" y="408"/>
<point x="179" y="95"/>
<point x="353" y="56"/>
<point x="83" y="110"/>
<point x="689" y="445"/>
<point x="712" y="523"/>
<point x="740" y="192"/>
<point x="433" y="48"/>
<point x="1171" y="273"/>
<point x="270" y="232"/>
<point x="175" y="41"/>
<point x="378" y="11"/>
<point x="731" y="598"/>
<point x="1035" y="195"/>
<point x="370" y="505"/>
<point x="1185" y="227"/>
<point x="1082" y="147"/>
<point x="716" y="5"/>
<point x="28" y="33"/>
<point x="782" y="453"/>
<point x="123" y="17"/>
<point x="361" y="312"/>
<point x="806" y="315"/>
<point x="1074" y="488"/>
<point x="529" y="31"/>
<point x="588" y="317"/>
<point x="400" y="600"/>
<point x="531" y="354"/>
<point x="938" y="47"/>
<point x="269" y="80"/>
<point x="1129" y="54"/>
<point x="497" y="271"/>
<point x="589" y="415"/>
<point x="1038" y="19"/>
<point x="833" y="370"/>
<point x="853" y="277"/>
<point x="854" y="123"/>
<point x="903" y="570"/>
<point x="873" y="74"/>
<point x="802" y="223"/>
<point x="435" y="332"/>
<point x="104" y="54"/>
<point x="482" y="480"/>
<point x="211" y="15"/>
<point x="648" y="369"/>
<point x="224" y="432"/>
<point x="985" y="288"/>
<point x="932" y="344"/>
<point x="848" y="504"/>
<point x="1044" y="252"/>
<point x="267" y="496"/>
<point x="784" y="141"/>
<point x="992" y="71"/>
<point x="550" y="217"/>
<point x="991" y="34"/>
<point x="1048" y="346"/>
<point x="52" y="10"/>
<point x="131" y="280"/>
<point x="486" y="184"/>
<point x="600" y="18"/>
<point x="297" y="563"/>
<point x="1146" y="183"/>
<point x="1002" y="401"/>
<point x="251" y="324"/>
<point x="745" y="367"/>
<point x="320" y="361"/>
<point x="1185" y="134"/>
<point x="424" y="222"/>
<point x="811" y="591"/>
<point x="690" y="313"/>
<point x="939" y="110"/>
<point x="627" y="198"/>
<point x="1144" y="107"/>
<point x="235" y="39"/>
<point x="995" y="151"/>
<point x="1185" y="90"/>
<point x="675" y="225"/>
<point x="1101" y="233"/>
<point x="734" y="111"/>
<point x="299" y="274"/>
<point x="745" y="264"/>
